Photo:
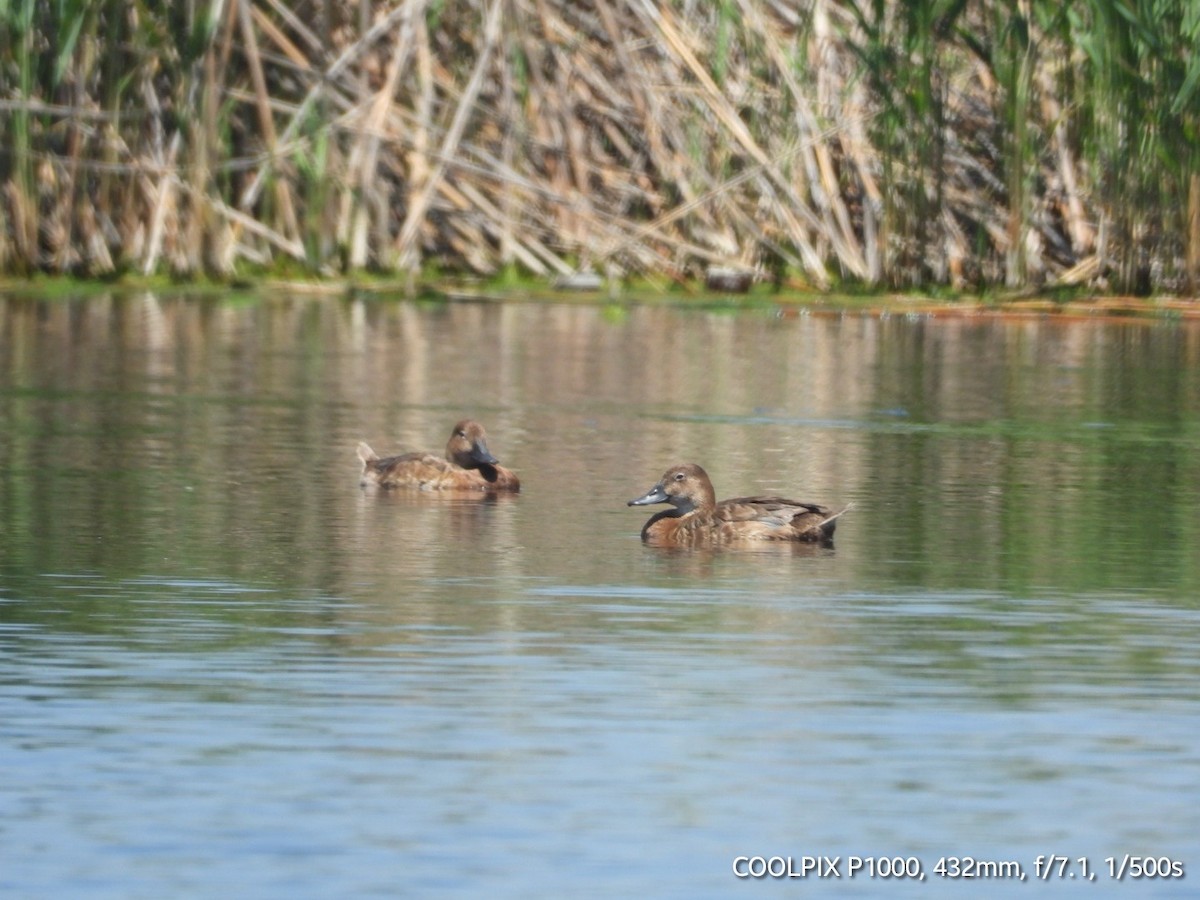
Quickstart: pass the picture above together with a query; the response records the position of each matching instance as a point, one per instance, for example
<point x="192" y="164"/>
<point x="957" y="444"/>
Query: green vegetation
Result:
<point x="1017" y="144"/>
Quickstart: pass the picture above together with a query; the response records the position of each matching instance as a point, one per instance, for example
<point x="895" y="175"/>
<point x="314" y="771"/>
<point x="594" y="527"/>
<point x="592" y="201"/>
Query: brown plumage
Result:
<point x="467" y="466"/>
<point x="696" y="518"/>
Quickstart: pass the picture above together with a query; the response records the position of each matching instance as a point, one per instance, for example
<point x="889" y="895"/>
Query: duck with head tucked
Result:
<point x="697" y="519"/>
<point x="467" y="466"/>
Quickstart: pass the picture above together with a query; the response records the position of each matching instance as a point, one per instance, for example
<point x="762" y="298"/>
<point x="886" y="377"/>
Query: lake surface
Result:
<point x="226" y="670"/>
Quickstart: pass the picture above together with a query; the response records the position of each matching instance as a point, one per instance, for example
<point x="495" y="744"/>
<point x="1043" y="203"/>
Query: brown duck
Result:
<point x="698" y="519"/>
<point x="467" y="466"/>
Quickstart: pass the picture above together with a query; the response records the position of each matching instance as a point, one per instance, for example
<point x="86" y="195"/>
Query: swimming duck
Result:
<point x="467" y="466"/>
<point x="697" y="517"/>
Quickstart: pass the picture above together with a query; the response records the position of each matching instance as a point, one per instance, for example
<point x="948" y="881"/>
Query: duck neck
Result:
<point x="684" y="506"/>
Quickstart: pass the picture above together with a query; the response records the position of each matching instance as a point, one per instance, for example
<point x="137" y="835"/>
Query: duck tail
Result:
<point x="366" y="454"/>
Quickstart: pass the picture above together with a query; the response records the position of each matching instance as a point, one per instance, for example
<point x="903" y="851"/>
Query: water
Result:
<point x="226" y="670"/>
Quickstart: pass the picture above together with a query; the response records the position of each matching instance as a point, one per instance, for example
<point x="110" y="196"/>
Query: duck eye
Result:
<point x="679" y="476"/>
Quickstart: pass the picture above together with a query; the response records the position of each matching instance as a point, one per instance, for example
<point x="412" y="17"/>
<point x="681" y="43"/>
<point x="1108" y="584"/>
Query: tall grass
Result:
<point x="1141" y="103"/>
<point x="1017" y="143"/>
<point x="902" y="52"/>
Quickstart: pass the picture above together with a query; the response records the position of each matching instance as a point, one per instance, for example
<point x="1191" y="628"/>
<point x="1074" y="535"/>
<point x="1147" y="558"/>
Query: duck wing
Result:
<point x="776" y="518"/>
<point x="415" y="469"/>
<point x="777" y="510"/>
<point x="389" y="463"/>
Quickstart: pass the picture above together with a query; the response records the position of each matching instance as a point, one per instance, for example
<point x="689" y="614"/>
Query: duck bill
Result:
<point x="656" y="494"/>
<point x="481" y="454"/>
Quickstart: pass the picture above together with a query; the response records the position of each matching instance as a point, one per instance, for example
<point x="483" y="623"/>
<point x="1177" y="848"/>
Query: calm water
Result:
<point x="227" y="671"/>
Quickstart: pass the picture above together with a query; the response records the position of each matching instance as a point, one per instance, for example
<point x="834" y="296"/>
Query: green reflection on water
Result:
<point x="170" y="437"/>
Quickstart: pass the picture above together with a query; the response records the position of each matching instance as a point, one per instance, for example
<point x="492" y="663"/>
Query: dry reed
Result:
<point x="1013" y="142"/>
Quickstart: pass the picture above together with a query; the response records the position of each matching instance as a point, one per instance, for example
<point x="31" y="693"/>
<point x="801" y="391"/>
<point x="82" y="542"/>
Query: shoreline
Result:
<point x="786" y="302"/>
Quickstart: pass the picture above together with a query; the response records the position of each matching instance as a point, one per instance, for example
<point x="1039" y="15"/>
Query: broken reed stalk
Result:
<point x="405" y="249"/>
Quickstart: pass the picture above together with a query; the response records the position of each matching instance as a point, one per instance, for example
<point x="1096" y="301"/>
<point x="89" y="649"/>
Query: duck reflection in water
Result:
<point x="697" y="519"/>
<point x="468" y="466"/>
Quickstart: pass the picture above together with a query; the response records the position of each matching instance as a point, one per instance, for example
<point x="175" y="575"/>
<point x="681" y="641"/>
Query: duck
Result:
<point x="467" y="466"/>
<point x="696" y="518"/>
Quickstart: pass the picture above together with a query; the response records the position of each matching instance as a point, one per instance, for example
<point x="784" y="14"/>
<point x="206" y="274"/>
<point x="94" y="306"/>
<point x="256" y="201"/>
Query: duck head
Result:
<point x="468" y="447"/>
<point x="686" y="487"/>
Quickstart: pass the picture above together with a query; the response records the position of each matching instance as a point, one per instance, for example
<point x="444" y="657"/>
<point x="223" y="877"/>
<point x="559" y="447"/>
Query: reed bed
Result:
<point x="1011" y="143"/>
